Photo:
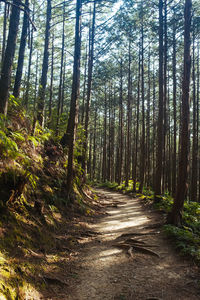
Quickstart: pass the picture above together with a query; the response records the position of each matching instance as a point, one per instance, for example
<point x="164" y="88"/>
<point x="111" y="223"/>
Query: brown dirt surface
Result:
<point x="104" y="271"/>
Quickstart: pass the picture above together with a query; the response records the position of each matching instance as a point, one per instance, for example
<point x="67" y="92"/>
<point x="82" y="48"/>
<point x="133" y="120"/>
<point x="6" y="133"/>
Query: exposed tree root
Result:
<point x="154" y="226"/>
<point x="137" y="248"/>
<point x="124" y="235"/>
<point x="139" y="243"/>
<point x="130" y="252"/>
<point x="53" y="280"/>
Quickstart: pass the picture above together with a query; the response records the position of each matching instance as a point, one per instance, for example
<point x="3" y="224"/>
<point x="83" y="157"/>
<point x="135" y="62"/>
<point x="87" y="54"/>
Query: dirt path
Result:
<point x="106" y="272"/>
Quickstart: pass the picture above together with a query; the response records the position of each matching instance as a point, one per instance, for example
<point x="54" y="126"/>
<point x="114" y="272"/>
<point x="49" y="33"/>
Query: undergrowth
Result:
<point x="33" y="202"/>
<point x="186" y="238"/>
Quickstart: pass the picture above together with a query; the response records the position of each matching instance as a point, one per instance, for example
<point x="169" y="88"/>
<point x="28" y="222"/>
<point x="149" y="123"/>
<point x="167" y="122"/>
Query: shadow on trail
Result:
<point x="109" y="273"/>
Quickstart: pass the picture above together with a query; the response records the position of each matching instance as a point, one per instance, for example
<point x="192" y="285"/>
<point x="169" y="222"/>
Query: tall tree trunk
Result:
<point x="4" y="32"/>
<point x="169" y="147"/>
<point x="26" y="98"/>
<point x="113" y="138"/>
<point x="51" y="80"/>
<point x="120" y="163"/>
<point x="61" y="73"/>
<point x="193" y="192"/>
<point x="104" y="161"/>
<point x="73" y="116"/>
<point x="94" y="145"/>
<point x="175" y="217"/>
<point x="174" y="110"/>
<point x="108" y="169"/>
<point x="35" y="93"/>
<point x="159" y="154"/>
<point x="148" y="148"/>
<point x="89" y="88"/>
<point x="142" y="149"/>
<point x="154" y="129"/>
<point x="198" y="91"/>
<point x="8" y="56"/>
<point x="63" y="88"/>
<point x="128" y="141"/>
<point x="89" y="162"/>
<point x="84" y="86"/>
<point x="165" y="103"/>
<point x="43" y="80"/>
<point x="137" y="125"/>
<point x="22" y="47"/>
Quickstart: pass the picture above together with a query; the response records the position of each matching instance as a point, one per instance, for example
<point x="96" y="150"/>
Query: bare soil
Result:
<point x="103" y="271"/>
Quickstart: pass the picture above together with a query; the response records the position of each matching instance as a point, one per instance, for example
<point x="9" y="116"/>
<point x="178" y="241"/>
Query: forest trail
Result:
<point x="106" y="272"/>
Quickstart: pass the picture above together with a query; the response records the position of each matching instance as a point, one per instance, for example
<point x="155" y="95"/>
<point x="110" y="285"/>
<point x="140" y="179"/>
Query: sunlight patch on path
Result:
<point x="123" y="219"/>
<point x="109" y="273"/>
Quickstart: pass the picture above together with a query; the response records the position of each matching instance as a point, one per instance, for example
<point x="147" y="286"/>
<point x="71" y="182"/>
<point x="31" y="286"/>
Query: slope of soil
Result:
<point x="106" y="272"/>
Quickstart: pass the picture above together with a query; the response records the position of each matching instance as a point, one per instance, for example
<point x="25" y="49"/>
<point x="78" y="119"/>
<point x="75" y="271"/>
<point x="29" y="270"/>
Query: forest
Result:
<point x="97" y="99"/>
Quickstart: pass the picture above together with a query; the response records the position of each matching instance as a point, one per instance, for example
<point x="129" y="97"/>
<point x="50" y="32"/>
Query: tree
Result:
<point x="143" y="146"/>
<point x="61" y="72"/>
<point x="174" y="109"/>
<point x="73" y="116"/>
<point x="43" y="79"/>
<point x="26" y="99"/>
<point x="134" y="167"/>
<point x="174" y="217"/>
<point x="8" y="56"/>
<point x="128" y="142"/>
<point x="159" y="158"/>
<point x="4" y="31"/>
<point x="22" y="47"/>
<point x="193" y="192"/>
<point x="89" y="87"/>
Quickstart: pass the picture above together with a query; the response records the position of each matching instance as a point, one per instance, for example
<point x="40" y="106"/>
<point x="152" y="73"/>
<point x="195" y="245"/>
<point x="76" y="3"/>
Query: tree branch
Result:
<point x="25" y="10"/>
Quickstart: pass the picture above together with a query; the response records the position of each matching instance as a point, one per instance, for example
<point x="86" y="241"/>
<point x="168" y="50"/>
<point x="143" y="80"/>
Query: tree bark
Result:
<point x="175" y="216"/>
<point x="159" y="154"/>
<point x="148" y="148"/>
<point x="8" y="57"/>
<point x="142" y="143"/>
<point x="4" y="32"/>
<point x="43" y="80"/>
<point x="137" y="124"/>
<point x="29" y="64"/>
<point x="22" y="47"/>
<point x="165" y="103"/>
<point x="128" y="141"/>
<point x="61" y="73"/>
<point x="120" y="163"/>
<point x="193" y="192"/>
<point x="94" y="145"/>
<point x="73" y="116"/>
<point x="89" y="88"/>
<point x="174" y="110"/>
<point x="104" y="161"/>
<point x="51" y="80"/>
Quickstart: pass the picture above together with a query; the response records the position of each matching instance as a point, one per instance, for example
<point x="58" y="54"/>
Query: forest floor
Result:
<point x="112" y="263"/>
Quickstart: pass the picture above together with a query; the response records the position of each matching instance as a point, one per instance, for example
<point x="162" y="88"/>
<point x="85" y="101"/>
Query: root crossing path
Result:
<point x="109" y="268"/>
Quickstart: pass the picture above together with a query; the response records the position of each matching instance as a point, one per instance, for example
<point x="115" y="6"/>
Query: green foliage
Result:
<point x="165" y="203"/>
<point x="185" y="240"/>
<point x="121" y="188"/>
<point x="8" y="146"/>
<point x="42" y="134"/>
<point x="34" y="140"/>
<point x="108" y="184"/>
